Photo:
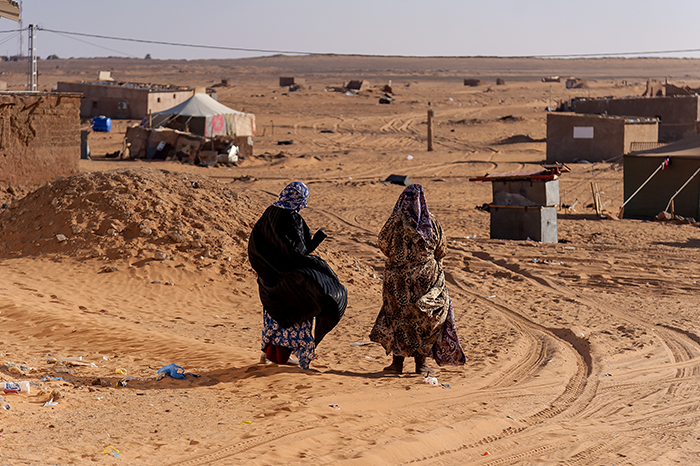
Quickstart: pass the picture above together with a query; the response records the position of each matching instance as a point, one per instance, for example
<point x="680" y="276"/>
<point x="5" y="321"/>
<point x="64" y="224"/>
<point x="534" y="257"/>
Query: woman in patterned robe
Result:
<point x="416" y="318"/>
<point x="296" y="287"/>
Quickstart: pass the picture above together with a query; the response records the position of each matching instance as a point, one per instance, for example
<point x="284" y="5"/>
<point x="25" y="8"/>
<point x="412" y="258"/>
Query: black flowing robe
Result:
<point x="294" y="285"/>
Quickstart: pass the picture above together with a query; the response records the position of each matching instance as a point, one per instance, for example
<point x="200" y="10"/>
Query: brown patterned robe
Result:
<point x="416" y="304"/>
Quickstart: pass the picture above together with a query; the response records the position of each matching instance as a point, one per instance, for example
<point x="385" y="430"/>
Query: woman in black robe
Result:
<point x="295" y="287"/>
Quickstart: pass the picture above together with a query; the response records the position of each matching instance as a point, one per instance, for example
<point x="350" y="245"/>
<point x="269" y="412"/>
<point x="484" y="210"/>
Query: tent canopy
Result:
<point x="199" y="105"/>
<point x="200" y="114"/>
<point x="688" y="147"/>
<point x="664" y="184"/>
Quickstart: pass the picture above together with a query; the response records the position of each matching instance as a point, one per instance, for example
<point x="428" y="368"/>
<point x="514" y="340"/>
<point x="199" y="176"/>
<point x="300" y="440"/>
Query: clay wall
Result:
<point x="39" y="137"/>
<point x="678" y="115"/>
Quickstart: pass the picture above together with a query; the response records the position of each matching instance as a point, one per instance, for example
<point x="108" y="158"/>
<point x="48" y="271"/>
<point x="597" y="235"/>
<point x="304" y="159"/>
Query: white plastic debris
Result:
<point x="430" y="380"/>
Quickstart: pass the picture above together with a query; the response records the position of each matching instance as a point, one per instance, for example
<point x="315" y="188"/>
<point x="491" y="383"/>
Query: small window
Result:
<point x="94" y="104"/>
<point x="158" y="99"/>
<point x="174" y="96"/>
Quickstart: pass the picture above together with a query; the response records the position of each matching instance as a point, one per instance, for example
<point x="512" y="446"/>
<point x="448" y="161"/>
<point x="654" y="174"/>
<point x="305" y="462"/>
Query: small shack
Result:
<point x="204" y="116"/>
<point x="472" y="82"/>
<point x="286" y="81"/>
<point x="665" y="170"/>
<point x="573" y="137"/>
<point x="525" y="203"/>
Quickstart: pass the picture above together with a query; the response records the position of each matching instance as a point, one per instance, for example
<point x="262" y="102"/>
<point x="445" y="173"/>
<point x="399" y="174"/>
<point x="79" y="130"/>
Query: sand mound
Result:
<point x="137" y="212"/>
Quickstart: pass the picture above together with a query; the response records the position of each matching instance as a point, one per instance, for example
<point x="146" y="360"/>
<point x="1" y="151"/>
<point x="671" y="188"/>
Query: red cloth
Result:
<point x="278" y="354"/>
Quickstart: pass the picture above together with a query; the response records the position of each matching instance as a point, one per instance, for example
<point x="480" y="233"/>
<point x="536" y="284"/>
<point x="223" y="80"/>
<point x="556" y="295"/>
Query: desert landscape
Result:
<point x="581" y="352"/>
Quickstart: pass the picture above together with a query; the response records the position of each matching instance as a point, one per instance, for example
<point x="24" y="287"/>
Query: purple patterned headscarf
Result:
<point x="293" y="197"/>
<point x="412" y="203"/>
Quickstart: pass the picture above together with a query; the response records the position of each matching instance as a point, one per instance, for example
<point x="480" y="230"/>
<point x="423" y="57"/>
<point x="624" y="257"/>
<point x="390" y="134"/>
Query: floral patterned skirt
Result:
<point x="297" y="337"/>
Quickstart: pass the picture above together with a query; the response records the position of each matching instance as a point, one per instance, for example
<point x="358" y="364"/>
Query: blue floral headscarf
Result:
<point x="293" y="197"/>
<point x="412" y="203"/>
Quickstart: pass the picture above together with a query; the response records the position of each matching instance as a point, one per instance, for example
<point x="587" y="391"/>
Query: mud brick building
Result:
<point x="122" y="100"/>
<point x="39" y="137"/>
<point x="679" y="116"/>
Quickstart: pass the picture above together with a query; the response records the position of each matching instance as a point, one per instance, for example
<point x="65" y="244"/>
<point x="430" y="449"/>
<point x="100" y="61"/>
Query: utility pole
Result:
<point x="32" y="58"/>
<point x="21" y="30"/>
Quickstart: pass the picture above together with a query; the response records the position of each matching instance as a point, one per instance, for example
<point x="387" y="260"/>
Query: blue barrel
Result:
<point x="102" y="124"/>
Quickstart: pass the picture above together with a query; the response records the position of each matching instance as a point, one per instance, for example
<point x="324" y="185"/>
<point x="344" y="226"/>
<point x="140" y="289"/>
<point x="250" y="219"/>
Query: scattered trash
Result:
<point x="15" y="387"/>
<point x="607" y="374"/>
<point x="246" y="422"/>
<point x="285" y="143"/>
<point x="121" y="371"/>
<point x="361" y="343"/>
<point x="492" y="296"/>
<point x="50" y="403"/>
<point x="174" y="371"/>
<point x="410" y="157"/>
<point x="110" y="450"/>
<point x="486" y="453"/>
<point x="399" y="179"/>
<point x="446" y="386"/>
<point x="3" y="403"/>
<point x="335" y="406"/>
<point x="430" y="380"/>
<point x="509" y="417"/>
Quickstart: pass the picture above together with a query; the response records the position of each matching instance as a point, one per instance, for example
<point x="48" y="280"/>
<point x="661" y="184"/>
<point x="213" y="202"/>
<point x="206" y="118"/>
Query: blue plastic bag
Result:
<point x="174" y="371"/>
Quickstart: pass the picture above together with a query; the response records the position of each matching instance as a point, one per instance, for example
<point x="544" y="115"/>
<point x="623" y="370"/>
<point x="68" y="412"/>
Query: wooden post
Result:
<point x="596" y="199"/>
<point x="272" y="128"/>
<point x="150" y="119"/>
<point x="431" y="114"/>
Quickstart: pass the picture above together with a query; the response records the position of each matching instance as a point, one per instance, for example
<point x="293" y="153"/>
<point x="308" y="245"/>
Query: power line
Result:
<point x="245" y="49"/>
<point x="216" y="47"/>
<point x="95" y="45"/>
<point x="612" y="54"/>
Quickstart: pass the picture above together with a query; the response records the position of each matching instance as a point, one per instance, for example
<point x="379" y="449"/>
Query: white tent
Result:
<point x="200" y="114"/>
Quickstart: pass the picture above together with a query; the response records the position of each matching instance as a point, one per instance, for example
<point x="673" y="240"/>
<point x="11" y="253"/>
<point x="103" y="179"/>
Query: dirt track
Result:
<point x="583" y="352"/>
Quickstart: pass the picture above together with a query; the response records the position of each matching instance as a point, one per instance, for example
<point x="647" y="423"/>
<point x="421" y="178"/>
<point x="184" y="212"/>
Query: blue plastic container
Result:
<point x="102" y="124"/>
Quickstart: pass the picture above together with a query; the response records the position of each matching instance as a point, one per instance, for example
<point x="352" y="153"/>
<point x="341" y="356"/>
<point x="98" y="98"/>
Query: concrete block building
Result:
<point x="572" y="137"/>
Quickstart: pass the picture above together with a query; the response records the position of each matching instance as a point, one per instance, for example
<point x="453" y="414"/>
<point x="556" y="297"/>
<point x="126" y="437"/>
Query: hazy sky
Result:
<point x="376" y="27"/>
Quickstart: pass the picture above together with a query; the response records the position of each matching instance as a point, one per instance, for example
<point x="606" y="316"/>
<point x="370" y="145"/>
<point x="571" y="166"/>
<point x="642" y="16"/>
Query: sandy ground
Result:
<point x="583" y="352"/>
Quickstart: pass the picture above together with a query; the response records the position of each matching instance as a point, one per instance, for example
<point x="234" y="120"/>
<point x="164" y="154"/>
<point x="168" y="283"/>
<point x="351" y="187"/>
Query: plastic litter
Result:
<point x="174" y="371"/>
<point x="246" y="422"/>
<point x="335" y="406"/>
<point x="110" y="450"/>
<point x="430" y="380"/>
<point x="51" y="403"/>
<point x="3" y="403"/>
<point x="47" y="378"/>
<point x="121" y="371"/>
<point x="15" y="387"/>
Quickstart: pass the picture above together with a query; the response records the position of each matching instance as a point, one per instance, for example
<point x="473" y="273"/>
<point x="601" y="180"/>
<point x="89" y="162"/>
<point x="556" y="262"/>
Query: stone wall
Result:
<point x="39" y="137"/>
